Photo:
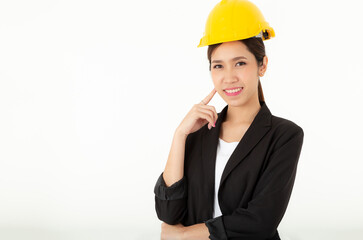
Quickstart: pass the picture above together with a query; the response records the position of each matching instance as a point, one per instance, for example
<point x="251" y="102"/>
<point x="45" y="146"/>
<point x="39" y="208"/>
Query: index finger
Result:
<point x="207" y="99"/>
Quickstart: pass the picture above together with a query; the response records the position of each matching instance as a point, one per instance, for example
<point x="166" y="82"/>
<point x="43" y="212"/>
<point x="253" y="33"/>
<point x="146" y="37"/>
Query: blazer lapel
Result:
<point x="258" y="128"/>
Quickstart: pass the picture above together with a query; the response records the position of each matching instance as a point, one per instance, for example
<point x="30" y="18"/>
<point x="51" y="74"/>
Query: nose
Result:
<point x="230" y="76"/>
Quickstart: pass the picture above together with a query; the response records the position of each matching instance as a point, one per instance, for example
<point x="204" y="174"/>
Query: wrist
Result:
<point x="180" y="133"/>
<point x="198" y="231"/>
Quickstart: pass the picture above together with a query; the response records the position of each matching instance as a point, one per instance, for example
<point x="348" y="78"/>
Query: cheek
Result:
<point x="248" y="74"/>
<point x="214" y="77"/>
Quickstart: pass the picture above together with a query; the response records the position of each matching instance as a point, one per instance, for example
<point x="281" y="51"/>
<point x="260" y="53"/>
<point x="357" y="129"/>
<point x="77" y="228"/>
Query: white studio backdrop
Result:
<point x="91" y="93"/>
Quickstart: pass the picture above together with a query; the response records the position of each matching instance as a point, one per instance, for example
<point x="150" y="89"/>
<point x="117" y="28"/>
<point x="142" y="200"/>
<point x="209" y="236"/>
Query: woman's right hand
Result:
<point x="199" y="115"/>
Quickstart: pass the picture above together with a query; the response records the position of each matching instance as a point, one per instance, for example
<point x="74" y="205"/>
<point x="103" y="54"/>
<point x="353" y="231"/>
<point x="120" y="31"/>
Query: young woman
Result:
<point x="231" y="178"/>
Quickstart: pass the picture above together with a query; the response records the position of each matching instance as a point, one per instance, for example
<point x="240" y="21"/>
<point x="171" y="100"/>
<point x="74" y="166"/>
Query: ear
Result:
<point x="263" y="68"/>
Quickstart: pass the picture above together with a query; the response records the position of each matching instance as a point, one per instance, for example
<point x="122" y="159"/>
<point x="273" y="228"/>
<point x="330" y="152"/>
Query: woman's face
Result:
<point x="233" y="66"/>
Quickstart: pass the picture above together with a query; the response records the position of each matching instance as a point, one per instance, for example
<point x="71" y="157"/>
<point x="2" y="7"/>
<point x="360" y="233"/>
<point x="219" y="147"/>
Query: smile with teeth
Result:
<point x="233" y="91"/>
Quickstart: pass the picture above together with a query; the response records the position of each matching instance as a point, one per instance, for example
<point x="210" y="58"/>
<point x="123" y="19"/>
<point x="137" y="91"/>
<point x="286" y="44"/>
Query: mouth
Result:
<point x="233" y="91"/>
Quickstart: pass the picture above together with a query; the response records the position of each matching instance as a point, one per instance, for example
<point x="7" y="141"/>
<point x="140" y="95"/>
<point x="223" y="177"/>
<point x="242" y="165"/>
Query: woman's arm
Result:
<point x="196" y="232"/>
<point x="170" y="190"/>
<point x="180" y="232"/>
<point x="171" y="187"/>
<point x="174" y="169"/>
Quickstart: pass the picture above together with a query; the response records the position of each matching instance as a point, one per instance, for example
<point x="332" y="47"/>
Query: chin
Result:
<point x="234" y="102"/>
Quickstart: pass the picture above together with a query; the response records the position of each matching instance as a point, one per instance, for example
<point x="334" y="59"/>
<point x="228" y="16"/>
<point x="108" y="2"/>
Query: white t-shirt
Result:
<point x="224" y="151"/>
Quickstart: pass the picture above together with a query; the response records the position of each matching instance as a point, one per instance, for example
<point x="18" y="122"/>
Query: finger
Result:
<point x="212" y="109"/>
<point x="207" y="99"/>
<point x="206" y="114"/>
<point x="206" y="117"/>
<point x="209" y="112"/>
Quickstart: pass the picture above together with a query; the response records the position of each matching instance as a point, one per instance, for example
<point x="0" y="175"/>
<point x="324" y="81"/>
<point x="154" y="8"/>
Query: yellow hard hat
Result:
<point x="232" y="20"/>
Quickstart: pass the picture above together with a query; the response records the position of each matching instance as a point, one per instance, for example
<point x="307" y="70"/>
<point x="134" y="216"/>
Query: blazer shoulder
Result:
<point x="283" y="126"/>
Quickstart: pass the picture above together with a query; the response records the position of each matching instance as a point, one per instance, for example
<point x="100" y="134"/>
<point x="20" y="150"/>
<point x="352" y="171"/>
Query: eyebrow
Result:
<point x="233" y="59"/>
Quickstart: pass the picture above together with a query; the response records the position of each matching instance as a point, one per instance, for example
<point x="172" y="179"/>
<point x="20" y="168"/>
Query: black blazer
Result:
<point x="255" y="186"/>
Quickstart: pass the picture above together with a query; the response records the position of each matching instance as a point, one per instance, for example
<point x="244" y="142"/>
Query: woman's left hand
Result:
<point x="172" y="232"/>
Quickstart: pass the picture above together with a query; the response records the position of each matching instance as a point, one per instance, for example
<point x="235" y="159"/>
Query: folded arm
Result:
<point x="170" y="202"/>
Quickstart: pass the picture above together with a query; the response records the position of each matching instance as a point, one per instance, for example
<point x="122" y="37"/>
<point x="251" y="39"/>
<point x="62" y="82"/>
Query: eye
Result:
<point x="243" y="63"/>
<point x="215" y="66"/>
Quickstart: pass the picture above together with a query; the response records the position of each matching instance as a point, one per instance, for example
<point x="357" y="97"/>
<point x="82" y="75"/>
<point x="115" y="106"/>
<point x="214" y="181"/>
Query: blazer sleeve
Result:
<point x="270" y="198"/>
<point x="171" y="202"/>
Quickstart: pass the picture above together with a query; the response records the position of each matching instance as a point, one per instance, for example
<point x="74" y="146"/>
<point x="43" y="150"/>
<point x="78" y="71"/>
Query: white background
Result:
<point x="91" y="93"/>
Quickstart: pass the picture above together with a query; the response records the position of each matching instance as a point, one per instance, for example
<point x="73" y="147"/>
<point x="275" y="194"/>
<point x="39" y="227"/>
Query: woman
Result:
<point x="231" y="178"/>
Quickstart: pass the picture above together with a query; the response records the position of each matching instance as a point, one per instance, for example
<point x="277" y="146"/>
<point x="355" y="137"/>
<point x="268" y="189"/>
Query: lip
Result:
<point x="233" y="94"/>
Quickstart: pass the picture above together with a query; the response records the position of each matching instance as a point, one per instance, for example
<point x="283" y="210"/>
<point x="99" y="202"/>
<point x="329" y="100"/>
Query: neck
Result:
<point x="243" y="114"/>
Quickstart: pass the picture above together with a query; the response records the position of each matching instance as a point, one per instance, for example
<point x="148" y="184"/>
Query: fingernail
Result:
<point x="214" y="125"/>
